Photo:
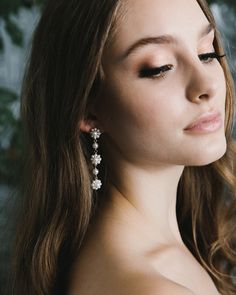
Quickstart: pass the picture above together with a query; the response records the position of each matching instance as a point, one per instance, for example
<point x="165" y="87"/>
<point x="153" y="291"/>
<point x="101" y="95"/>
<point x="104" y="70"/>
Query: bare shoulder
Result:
<point x="131" y="283"/>
<point x="148" y="284"/>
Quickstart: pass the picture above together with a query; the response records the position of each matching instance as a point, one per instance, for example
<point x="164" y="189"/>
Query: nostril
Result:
<point x="204" y="96"/>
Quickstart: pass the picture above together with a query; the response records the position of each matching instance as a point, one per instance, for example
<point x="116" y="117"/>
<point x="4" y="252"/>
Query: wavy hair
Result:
<point x="62" y="81"/>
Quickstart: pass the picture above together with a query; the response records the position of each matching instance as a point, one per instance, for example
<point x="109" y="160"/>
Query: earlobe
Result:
<point x="86" y="125"/>
<point x="89" y="123"/>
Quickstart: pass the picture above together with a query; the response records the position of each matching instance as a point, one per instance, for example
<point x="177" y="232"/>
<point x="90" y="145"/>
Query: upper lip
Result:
<point x="206" y="117"/>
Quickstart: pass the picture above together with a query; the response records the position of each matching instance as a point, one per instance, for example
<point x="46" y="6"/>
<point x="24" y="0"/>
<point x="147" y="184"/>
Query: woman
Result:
<point x="130" y="183"/>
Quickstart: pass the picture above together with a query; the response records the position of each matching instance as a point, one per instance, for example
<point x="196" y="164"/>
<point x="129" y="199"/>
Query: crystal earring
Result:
<point x="96" y="159"/>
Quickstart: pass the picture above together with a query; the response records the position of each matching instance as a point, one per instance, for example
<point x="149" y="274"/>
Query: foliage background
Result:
<point x="17" y="21"/>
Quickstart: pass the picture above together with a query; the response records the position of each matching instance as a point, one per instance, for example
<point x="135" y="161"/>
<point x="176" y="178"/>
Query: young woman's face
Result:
<point x="144" y="113"/>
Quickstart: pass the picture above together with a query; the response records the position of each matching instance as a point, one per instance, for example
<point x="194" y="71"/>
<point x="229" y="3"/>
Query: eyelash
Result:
<point x="155" y="73"/>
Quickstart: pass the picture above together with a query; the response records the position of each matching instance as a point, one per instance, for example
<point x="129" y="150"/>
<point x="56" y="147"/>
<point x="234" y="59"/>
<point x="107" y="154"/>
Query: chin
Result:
<point x="209" y="154"/>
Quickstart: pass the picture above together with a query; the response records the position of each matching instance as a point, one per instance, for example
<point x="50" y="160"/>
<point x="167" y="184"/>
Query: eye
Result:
<point x="209" y="57"/>
<point x="154" y="72"/>
<point x="157" y="72"/>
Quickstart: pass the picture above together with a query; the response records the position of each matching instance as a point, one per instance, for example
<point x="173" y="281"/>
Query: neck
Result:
<point x="149" y="196"/>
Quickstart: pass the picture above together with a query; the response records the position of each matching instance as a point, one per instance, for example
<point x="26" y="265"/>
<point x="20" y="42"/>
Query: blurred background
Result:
<point x="17" y="22"/>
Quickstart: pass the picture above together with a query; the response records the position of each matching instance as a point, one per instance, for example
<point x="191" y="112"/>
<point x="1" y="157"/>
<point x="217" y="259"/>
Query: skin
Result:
<point x="143" y="121"/>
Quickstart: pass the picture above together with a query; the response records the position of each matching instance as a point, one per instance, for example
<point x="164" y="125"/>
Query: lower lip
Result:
<point x="207" y="127"/>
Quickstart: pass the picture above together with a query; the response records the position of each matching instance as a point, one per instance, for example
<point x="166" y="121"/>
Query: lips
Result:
<point x="205" y="118"/>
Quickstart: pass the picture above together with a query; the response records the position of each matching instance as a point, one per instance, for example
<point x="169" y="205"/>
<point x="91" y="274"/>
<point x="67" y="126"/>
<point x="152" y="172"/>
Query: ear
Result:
<point x="88" y="123"/>
<point x="85" y="125"/>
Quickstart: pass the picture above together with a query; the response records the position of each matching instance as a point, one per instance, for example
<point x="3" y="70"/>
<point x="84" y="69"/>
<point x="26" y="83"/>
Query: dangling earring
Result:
<point x="96" y="159"/>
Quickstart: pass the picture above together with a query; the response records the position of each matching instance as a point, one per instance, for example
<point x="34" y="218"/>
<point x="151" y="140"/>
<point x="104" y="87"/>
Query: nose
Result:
<point x="201" y="82"/>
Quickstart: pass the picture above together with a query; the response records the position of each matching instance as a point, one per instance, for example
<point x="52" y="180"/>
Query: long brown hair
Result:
<point x="62" y="81"/>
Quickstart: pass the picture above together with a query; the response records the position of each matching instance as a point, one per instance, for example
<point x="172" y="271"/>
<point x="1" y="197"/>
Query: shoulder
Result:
<point x="143" y="284"/>
<point x="135" y="284"/>
<point x="106" y="281"/>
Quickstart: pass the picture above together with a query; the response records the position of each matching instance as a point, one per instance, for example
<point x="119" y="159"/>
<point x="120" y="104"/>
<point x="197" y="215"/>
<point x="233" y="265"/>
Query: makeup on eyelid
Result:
<point x="153" y="63"/>
<point x="146" y="71"/>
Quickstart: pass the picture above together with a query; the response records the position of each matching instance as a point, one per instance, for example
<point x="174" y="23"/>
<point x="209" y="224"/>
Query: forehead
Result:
<point x="141" y="18"/>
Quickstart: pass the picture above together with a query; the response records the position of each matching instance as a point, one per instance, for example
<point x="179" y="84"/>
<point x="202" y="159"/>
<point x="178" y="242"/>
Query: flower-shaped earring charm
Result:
<point x="96" y="159"/>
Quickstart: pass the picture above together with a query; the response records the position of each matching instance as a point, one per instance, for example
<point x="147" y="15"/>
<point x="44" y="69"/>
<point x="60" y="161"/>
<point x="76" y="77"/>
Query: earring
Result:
<point x="96" y="159"/>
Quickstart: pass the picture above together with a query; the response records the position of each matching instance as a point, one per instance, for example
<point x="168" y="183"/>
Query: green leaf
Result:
<point x="14" y="32"/>
<point x="6" y="119"/>
<point x="9" y="6"/>
<point x="1" y="45"/>
<point x="7" y="96"/>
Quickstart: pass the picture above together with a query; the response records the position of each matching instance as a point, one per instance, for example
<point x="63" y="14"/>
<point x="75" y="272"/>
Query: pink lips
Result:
<point x="208" y="122"/>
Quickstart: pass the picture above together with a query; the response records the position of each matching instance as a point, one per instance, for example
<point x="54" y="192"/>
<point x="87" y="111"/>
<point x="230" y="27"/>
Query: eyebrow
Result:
<point x="163" y="39"/>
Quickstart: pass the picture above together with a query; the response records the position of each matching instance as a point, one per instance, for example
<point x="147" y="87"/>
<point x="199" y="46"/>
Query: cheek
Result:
<point x="221" y="97"/>
<point x="221" y="81"/>
<point x="223" y="87"/>
<point x="134" y="115"/>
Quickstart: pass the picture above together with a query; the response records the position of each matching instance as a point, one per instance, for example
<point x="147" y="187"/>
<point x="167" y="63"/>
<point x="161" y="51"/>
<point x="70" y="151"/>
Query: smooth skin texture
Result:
<point x="134" y="245"/>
